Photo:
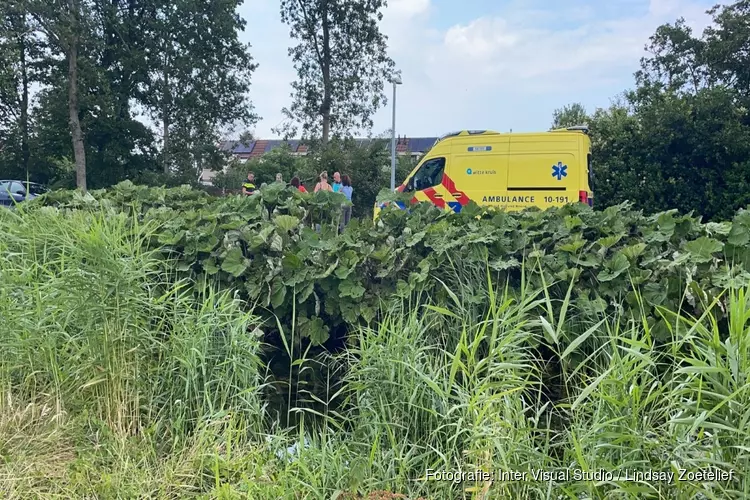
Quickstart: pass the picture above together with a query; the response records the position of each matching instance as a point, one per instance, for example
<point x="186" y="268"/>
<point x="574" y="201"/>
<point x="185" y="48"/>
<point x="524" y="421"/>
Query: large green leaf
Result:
<point x="703" y="248"/>
<point x="278" y="293"/>
<point x="588" y="260"/>
<point x="172" y="237"/>
<point x="291" y="262"/>
<point x="610" y="241"/>
<point x="654" y="294"/>
<point x="349" y="288"/>
<point x="276" y="243"/>
<point x="260" y="238"/>
<point x="313" y="328"/>
<point x="209" y="266"/>
<point x="207" y="243"/>
<point x="415" y="238"/>
<point x="614" y="268"/>
<point x="739" y="235"/>
<point x="347" y="264"/>
<point x="504" y="264"/>
<point x="573" y="221"/>
<point x="305" y="291"/>
<point x="573" y="246"/>
<point x="234" y="262"/>
<point x="286" y="222"/>
<point x="633" y="251"/>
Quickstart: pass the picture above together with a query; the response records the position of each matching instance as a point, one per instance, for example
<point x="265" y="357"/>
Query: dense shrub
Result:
<point x="267" y="248"/>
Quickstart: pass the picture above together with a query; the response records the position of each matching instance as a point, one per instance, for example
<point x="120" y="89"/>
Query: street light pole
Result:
<point x="396" y="80"/>
<point x="393" y="142"/>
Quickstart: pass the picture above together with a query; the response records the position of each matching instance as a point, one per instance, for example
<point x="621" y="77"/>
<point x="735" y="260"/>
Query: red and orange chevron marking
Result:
<point x="443" y="195"/>
<point x="450" y="186"/>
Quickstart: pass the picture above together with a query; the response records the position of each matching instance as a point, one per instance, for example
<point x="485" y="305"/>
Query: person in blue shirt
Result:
<point x="346" y="190"/>
<point x="336" y="182"/>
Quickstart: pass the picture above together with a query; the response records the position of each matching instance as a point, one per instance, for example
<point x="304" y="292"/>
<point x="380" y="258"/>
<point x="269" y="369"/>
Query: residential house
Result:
<point x="414" y="146"/>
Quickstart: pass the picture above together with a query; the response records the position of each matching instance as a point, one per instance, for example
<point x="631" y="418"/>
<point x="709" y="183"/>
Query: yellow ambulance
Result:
<point x="504" y="170"/>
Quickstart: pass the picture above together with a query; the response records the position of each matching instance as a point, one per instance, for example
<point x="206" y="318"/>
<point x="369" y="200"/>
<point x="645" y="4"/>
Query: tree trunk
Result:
<point x="75" y="125"/>
<point x="25" y="154"/>
<point x="326" y="68"/>
<point x="165" y="119"/>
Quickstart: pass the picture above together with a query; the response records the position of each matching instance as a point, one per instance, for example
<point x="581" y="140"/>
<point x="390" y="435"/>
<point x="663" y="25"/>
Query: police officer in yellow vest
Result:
<point x="248" y="187"/>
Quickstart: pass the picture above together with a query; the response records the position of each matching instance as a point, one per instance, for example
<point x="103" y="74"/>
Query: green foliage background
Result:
<point x="678" y="139"/>
<point x="368" y="168"/>
<point x="485" y="339"/>
<point x="681" y="138"/>
<point x="265" y="247"/>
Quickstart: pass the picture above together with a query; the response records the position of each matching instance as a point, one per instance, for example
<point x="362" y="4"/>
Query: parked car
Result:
<point x="12" y="191"/>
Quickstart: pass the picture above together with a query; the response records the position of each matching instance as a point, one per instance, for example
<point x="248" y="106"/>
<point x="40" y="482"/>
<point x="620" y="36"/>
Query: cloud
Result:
<point x="491" y="51"/>
<point x="481" y="39"/>
<point x="406" y="8"/>
<point x="512" y="68"/>
<point x="504" y="67"/>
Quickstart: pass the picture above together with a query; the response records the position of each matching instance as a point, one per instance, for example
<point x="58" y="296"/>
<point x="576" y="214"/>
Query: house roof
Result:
<point x="421" y="143"/>
<point x="237" y="147"/>
<point x="403" y="144"/>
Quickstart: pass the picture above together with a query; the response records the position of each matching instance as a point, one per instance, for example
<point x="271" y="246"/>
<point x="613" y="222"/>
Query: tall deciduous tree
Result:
<point x="341" y="61"/>
<point x="65" y="24"/>
<point x="728" y="46"/>
<point x="676" y="61"/>
<point x="198" y="75"/>
<point x="681" y="139"/>
<point x="104" y="61"/>
<point x="21" y="55"/>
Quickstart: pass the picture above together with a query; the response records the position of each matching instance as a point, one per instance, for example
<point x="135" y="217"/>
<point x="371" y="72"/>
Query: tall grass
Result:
<point x="119" y="381"/>
<point x="93" y="326"/>
<point x="468" y="394"/>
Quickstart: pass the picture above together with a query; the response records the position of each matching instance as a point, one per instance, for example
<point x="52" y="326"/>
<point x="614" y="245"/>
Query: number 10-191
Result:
<point x="555" y="199"/>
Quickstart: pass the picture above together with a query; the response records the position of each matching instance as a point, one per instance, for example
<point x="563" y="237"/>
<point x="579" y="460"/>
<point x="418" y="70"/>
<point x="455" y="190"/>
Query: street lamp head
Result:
<point x="396" y="78"/>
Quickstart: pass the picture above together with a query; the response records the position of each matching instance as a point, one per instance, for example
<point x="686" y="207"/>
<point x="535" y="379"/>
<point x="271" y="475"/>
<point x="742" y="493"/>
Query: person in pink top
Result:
<point x="323" y="183"/>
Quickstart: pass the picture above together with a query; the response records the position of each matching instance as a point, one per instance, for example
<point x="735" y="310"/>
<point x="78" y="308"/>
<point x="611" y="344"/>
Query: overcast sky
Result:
<point x="483" y="64"/>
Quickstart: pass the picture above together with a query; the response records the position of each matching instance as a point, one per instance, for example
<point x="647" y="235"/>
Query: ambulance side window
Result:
<point x="429" y="174"/>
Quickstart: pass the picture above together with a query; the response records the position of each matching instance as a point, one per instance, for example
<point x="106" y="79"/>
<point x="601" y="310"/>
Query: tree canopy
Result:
<point x="101" y="69"/>
<point x="342" y="65"/>
<point x="681" y="138"/>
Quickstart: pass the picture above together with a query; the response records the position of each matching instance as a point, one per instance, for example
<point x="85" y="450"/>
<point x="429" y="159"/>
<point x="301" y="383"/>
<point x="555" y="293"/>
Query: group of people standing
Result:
<point x="248" y="187"/>
<point x="341" y="184"/>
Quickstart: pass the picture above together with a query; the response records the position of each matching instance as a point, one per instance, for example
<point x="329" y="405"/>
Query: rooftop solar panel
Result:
<point x="239" y="148"/>
<point x="421" y="143"/>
